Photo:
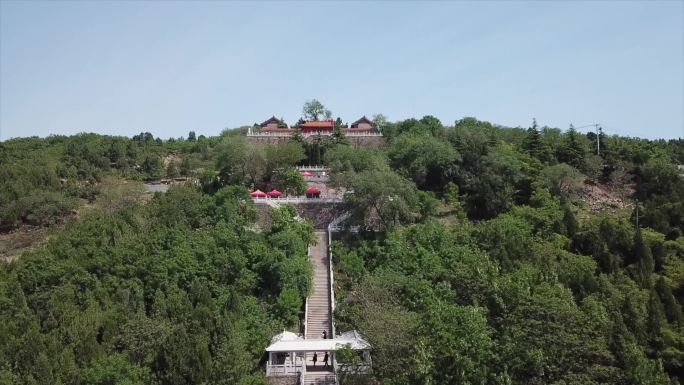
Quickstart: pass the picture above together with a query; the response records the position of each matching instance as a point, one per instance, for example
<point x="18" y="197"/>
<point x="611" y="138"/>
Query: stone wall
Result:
<point x="367" y="141"/>
<point x="268" y="139"/>
<point x="283" y="380"/>
<point x="320" y="214"/>
<point x="356" y="141"/>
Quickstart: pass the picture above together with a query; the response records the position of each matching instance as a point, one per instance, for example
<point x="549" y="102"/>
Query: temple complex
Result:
<point x="361" y="133"/>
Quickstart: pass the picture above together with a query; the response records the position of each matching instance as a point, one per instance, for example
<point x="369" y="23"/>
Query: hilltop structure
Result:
<point x="361" y="133"/>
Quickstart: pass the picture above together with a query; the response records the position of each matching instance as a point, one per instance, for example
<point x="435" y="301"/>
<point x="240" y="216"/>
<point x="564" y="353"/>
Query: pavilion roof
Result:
<point x="363" y="119"/>
<point x="290" y="342"/>
<point x="272" y="119"/>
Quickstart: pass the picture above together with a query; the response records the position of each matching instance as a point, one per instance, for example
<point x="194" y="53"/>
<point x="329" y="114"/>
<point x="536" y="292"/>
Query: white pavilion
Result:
<point x="291" y="355"/>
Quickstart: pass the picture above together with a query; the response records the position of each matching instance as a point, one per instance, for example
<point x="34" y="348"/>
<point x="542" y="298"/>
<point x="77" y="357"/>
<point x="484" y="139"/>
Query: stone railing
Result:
<point x="296" y="200"/>
<point x="309" y="134"/>
<point x="313" y="168"/>
<point x="333" y="226"/>
<point x="284" y="369"/>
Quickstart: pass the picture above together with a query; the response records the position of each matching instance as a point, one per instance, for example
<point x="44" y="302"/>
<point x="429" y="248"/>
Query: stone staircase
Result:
<point x="318" y="314"/>
<point x="318" y="378"/>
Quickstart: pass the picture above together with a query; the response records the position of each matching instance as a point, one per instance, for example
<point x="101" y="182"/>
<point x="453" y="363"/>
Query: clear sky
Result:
<point x="123" y="67"/>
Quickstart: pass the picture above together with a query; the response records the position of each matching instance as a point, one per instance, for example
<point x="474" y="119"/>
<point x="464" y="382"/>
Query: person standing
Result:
<point x="315" y="358"/>
<point x="325" y="360"/>
<point x="325" y="334"/>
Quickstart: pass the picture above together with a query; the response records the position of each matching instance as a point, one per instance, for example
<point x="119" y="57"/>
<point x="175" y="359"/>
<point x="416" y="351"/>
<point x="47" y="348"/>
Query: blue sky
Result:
<point x="123" y="67"/>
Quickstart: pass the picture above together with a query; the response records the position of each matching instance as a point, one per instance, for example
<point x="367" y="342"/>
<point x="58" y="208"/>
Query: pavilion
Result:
<point x="288" y="351"/>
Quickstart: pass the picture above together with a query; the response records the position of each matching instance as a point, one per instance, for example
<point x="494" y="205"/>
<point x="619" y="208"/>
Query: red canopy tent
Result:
<point x="306" y="173"/>
<point x="274" y="193"/>
<point x="313" y="193"/>
<point x="258" y="194"/>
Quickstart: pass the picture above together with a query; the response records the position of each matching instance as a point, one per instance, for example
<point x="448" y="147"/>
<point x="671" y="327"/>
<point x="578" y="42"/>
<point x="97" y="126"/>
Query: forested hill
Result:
<point x="482" y="257"/>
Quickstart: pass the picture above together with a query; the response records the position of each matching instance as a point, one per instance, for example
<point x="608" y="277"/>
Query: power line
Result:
<point x="599" y="131"/>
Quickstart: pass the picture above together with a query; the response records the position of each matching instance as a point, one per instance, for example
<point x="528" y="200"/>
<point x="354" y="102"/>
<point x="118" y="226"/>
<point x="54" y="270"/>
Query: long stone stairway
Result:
<point x="318" y="317"/>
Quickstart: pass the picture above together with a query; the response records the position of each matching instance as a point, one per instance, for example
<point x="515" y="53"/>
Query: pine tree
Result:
<point x="655" y="321"/>
<point x="641" y="255"/>
<point x="673" y="311"/>
<point x="533" y="142"/>
<point x="569" y="221"/>
<point x="572" y="151"/>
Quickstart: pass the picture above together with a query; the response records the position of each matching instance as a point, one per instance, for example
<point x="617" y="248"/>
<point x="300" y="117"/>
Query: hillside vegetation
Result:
<point x="478" y="259"/>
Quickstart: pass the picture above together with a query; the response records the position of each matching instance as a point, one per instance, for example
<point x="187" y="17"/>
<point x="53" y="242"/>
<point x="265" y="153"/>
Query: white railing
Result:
<point x="306" y="301"/>
<point x="295" y="200"/>
<point x="316" y="178"/>
<point x="308" y="134"/>
<point x="313" y="168"/>
<point x="360" y="368"/>
<point x="334" y="225"/>
<point x="284" y="369"/>
<point x="332" y="291"/>
<point x="284" y="134"/>
<point x="362" y="134"/>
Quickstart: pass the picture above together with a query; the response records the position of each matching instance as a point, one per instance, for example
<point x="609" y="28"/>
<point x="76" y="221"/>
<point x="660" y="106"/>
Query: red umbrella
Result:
<point x="274" y="193"/>
<point x="258" y="194"/>
<point x="313" y="190"/>
<point x="306" y="173"/>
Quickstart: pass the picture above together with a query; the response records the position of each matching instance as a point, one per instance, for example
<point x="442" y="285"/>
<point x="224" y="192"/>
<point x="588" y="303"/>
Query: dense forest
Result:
<point x="480" y="258"/>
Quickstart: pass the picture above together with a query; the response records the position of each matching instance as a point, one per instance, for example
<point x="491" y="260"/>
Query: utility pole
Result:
<point x="599" y="131"/>
<point x="637" y="214"/>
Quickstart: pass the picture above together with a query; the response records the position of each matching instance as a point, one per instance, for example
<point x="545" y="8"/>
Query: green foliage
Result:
<point x="344" y="159"/>
<point x="561" y="179"/>
<point x="492" y="188"/>
<point x="288" y="306"/>
<point x="115" y="369"/>
<point x="176" y="291"/>
<point x="43" y="178"/>
<point x="385" y="198"/>
<point x="531" y="288"/>
<point x="172" y="170"/>
<point x="573" y="151"/>
<point x="315" y="110"/>
<point x="545" y="293"/>
<point x="425" y="159"/>
<point x="290" y="181"/>
<point x="240" y="163"/>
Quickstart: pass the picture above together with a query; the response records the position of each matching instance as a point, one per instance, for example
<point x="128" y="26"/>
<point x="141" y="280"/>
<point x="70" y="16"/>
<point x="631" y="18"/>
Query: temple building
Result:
<point x="323" y="127"/>
<point x="363" y="124"/>
<point x="274" y="124"/>
<point x="277" y="127"/>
